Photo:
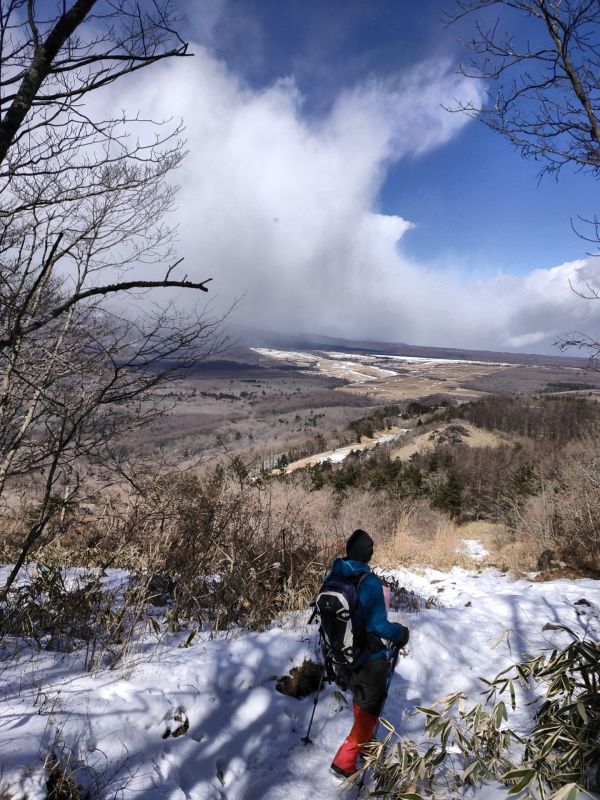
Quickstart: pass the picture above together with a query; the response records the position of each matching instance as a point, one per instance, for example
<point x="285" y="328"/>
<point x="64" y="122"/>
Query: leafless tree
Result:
<point x="83" y="201"/>
<point x="541" y="59"/>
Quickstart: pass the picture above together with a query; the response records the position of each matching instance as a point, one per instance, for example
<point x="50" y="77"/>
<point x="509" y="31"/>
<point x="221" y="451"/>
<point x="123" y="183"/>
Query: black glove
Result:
<point x="403" y="640"/>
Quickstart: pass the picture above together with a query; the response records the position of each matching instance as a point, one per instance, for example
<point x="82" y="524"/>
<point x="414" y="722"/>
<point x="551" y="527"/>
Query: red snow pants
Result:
<point x="361" y="733"/>
<point x="368" y="690"/>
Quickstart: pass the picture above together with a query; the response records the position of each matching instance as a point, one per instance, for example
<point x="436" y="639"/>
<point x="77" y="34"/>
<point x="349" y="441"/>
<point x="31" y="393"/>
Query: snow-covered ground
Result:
<point x="345" y="364"/>
<point x="473" y="548"/>
<point x="341" y="453"/>
<point x="427" y="359"/>
<point x="354" y="368"/>
<point x="240" y="739"/>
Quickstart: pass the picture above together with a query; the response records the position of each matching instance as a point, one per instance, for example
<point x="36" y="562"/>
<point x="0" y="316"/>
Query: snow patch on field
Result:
<point x="391" y="437"/>
<point x="349" y="361"/>
<point x="294" y="356"/>
<point x="428" y="360"/>
<point x="336" y="457"/>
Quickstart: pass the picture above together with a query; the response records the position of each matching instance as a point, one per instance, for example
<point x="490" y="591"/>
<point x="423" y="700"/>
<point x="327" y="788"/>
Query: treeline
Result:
<point x="466" y="482"/>
<point x="556" y="419"/>
<point x="542" y="485"/>
<point x="475" y="482"/>
<point x="382" y="418"/>
<point x="388" y="416"/>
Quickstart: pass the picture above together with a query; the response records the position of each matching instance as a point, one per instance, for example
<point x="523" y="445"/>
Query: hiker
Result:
<point x="368" y="680"/>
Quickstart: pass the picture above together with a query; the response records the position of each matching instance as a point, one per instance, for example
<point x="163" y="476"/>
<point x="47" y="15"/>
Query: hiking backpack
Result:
<point x="342" y="626"/>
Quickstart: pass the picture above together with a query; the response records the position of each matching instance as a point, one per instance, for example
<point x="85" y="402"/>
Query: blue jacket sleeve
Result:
<point x="370" y="592"/>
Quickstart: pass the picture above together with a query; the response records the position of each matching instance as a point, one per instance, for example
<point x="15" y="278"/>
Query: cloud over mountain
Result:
<point x="281" y="209"/>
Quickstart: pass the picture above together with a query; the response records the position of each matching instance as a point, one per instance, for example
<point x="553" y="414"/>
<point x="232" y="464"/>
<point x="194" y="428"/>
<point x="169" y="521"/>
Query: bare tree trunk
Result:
<point x="83" y="199"/>
<point x="45" y="53"/>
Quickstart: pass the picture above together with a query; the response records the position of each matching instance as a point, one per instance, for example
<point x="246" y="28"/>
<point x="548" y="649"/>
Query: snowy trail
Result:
<point x="243" y="739"/>
<point x="341" y="453"/>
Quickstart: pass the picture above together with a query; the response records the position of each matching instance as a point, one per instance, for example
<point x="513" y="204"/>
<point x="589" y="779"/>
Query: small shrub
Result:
<point x="75" y="613"/>
<point x="302" y="681"/>
<point x="62" y="780"/>
<point x="559" y="757"/>
<point x="566" y="519"/>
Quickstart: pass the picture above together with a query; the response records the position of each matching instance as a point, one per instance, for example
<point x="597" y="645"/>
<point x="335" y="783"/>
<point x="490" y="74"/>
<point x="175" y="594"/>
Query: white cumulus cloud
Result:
<point x="281" y="208"/>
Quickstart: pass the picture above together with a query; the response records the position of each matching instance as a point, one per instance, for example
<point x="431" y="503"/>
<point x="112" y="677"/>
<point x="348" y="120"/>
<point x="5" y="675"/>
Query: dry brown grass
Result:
<point x="479" y="437"/>
<point x="490" y="534"/>
<point x="512" y="552"/>
<point x="62" y="779"/>
<point x="422" y="443"/>
<point x="518" y="557"/>
<point x="439" y="547"/>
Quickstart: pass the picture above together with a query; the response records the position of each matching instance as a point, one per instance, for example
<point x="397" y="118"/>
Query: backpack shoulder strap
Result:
<point x="361" y="578"/>
<point x="354" y="580"/>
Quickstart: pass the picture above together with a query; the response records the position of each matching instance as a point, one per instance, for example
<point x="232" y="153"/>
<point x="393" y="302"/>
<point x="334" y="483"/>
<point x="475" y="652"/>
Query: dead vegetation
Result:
<point x="564" y="519"/>
<point x="62" y="779"/>
<point x="302" y="681"/>
<point x="435" y="434"/>
<point x="424" y="537"/>
<point x="232" y="546"/>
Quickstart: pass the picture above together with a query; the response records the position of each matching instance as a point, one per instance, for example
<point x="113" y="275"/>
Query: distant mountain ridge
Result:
<point x="250" y="337"/>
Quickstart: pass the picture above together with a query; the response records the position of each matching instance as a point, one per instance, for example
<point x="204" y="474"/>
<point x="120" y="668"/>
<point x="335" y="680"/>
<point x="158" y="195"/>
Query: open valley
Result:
<point x="259" y="403"/>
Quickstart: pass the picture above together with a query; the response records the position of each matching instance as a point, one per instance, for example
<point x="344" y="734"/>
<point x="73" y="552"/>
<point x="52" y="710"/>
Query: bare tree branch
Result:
<point x="544" y="76"/>
<point x="84" y="200"/>
<point x="76" y="298"/>
<point x="39" y="68"/>
<point x="544" y="80"/>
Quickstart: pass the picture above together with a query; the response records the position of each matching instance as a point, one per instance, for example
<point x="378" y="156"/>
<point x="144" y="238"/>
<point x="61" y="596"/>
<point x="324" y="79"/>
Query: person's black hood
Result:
<point x="359" y="546"/>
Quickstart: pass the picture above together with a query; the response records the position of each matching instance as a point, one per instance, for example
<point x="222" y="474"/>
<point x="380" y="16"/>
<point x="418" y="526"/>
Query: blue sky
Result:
<point x="475" y="201"/>
<point x="327" y="188"/>
<point x="479" y="202"/>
